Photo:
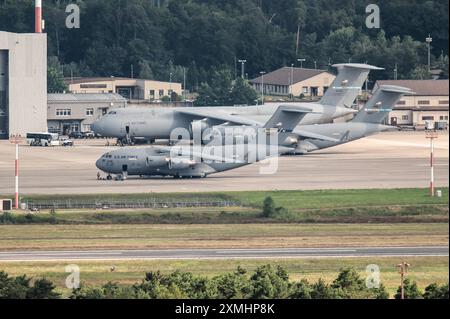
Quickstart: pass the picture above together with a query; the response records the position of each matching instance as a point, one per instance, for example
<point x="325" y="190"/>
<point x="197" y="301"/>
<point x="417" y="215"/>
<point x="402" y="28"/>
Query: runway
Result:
<point x="223" y="253"/>
<point x="388" y="160"/>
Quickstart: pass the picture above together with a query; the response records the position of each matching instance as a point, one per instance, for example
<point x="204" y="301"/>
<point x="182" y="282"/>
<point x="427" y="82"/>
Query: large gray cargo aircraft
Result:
<point x="368" y="121"/>
<point x="129" y="124"/>
<point x="222" y="154"/>
<point x="197" y="161"/>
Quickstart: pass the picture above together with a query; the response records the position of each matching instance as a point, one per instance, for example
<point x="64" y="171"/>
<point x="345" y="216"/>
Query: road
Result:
<point x="223" y="253"/>
<point x="388" y="160"/>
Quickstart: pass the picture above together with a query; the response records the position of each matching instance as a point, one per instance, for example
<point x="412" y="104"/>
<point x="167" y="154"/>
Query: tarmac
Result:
<point x="387" y="160"/>
<point x="340" y="252"/>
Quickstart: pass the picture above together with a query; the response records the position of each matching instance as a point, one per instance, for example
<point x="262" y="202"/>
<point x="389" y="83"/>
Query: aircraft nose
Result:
<point x="100" y="165"/>
<point x="97" y="127"/>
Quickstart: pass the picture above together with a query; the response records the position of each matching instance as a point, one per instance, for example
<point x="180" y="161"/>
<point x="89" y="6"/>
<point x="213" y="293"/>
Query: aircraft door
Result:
<point x="394" y="121"/>
<point x="125" y="171"/>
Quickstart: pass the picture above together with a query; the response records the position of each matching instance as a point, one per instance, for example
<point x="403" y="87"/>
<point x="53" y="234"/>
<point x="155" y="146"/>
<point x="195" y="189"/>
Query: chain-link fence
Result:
<point x="124" y="204"/>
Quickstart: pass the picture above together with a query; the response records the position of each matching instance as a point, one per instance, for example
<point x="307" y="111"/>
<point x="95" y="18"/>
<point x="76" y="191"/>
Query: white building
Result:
<point x="23" y="83"/>
<point x="430" y="102"/>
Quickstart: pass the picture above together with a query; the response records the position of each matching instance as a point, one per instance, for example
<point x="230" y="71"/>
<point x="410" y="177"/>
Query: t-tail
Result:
<point x="347" y="85"/>
<point x="379" y="106"/>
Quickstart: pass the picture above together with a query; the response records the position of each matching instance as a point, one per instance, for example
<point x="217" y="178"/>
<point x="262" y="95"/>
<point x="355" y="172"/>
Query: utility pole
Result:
<point x="242" y="62"/>
<point x="432" y="135"/>
<point x="132" y="71"/>
<point x="184" y="85"/>
<point x="262" y="86"/>
<point x="396" y="72"/>
<point x="170" y="89"/>
<point x="429" y="40"/>
<point x="16" y="139"/>
<point x="291" y="81"/>
<point x="301" y="62"/>
<point x="403" y="271"/>
<point x="315" y="65"/>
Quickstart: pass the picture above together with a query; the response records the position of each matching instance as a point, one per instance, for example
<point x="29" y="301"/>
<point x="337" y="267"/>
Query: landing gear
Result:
<point x="109" y="177"/>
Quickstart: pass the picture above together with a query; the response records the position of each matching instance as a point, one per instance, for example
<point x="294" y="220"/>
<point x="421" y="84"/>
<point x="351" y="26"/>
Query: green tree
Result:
<point x="55" y="81"/>
<point x="268" y="207"/>
<point x="301" y="290"/>
<point x="243" y="93"/>
<point x="269" y="282"/>
<point x="411" y="290"/>
<point x="434" y="291"/>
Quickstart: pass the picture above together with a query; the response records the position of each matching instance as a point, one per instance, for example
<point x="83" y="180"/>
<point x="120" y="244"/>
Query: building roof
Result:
<point x="282" y="76"/>
<point x="421" y="87"/>
<point x="85" y="97"/>
<point x="79" y="80"/>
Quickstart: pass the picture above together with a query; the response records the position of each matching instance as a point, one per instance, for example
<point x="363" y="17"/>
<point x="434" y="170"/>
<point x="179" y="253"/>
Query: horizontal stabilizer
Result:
<point x="287" y="117"/>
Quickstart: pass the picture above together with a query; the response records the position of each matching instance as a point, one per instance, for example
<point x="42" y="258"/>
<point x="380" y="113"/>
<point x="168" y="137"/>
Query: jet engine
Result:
<point x="199" y="127"/>
<point x="181" y="163"/>
<point x="157" y="161"/>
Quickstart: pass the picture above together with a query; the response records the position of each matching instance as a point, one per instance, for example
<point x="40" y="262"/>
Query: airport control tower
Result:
<point x="23" y="82"/>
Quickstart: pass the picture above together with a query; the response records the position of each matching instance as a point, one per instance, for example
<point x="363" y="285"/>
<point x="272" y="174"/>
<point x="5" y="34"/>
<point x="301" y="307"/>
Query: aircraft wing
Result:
<point x="314" y="136"/>
<point x="219" y="117"/>
<point x="189" y="152"/>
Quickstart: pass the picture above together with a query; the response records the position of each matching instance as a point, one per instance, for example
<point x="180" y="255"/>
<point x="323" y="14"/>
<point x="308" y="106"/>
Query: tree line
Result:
<point x="197" y="38"/>
<point x="266" y="282"/>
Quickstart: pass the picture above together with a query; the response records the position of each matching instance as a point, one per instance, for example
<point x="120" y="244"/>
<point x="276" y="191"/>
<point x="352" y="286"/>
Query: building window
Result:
<point x="87" y="127"/>
<point x="427" y="118"/>
<point x="405" y="117"/>
<point x="89" y="112"/>
<point x="325" y="89"/>
<point x="423" y="102"/>
<point x="161" y="93"/>
<point x="305" y="90"/>
<point x="444" y="118"/>
<point x="152" y="94"/>
<point x="401" y="103"/>
<point x="63" y="112"/>
<point x="443" y="102"/>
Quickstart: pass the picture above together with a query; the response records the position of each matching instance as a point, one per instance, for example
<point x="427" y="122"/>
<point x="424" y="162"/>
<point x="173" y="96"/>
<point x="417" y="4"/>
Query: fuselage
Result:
<point x="344" y="132"/>
<point x="168" y="123"/>
<point x="183" y="161"/>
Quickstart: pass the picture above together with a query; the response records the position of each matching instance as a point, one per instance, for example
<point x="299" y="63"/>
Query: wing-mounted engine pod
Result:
<point x="180" y="163"/>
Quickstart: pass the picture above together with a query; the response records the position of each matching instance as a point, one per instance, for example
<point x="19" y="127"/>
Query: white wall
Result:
<point x="27" y="81"/>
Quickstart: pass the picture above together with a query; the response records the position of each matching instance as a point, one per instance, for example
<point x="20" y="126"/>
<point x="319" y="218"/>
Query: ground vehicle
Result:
<point x="88" y="134"/>
<point x="76" y="135"/>
<point x="66" y="142"/>
<point x="43" y="139"/>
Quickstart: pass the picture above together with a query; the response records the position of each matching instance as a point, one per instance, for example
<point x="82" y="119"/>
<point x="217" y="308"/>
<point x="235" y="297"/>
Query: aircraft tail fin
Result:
<point x="287" y="117"/>
<point x="347" y="85"/>
<point x="380" y="104"/>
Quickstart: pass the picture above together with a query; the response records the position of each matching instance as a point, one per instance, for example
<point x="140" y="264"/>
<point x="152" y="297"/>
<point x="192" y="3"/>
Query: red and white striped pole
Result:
<point x="17" y="177"/>
<point x="38" y="16"/>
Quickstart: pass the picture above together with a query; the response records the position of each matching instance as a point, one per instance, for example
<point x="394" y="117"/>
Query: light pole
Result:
<point x="396" y="72"/>
<point x="403" y="271"/>
<point x="429" y="40"/>
<point x="432" y="135"/>
<point x="291" y="81"/>
<point x="301" y="62"/>
<point x="242" y="62"/>
<point x="184" y="85"/>
<point x="170" y="89"/>
<point x="315" y="65"/>
<point x="262" y="86"/>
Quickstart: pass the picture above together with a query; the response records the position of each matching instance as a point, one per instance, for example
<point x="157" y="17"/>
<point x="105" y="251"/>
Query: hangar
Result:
<point x="23" y="65"/>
